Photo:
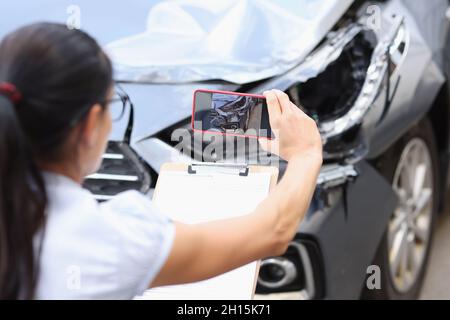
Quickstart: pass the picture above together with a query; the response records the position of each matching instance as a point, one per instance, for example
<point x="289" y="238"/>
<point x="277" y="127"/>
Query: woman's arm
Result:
<point x="206" y="250"/>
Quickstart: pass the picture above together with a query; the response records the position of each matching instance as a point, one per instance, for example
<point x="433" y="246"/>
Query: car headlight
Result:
<point x="353" y="66"/>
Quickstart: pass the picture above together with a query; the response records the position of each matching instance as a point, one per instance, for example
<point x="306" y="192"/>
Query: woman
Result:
<point x="56" y="241"/>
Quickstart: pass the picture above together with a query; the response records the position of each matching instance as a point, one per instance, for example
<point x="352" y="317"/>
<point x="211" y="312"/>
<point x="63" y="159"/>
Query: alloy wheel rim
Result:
<point x="410" y="225"/>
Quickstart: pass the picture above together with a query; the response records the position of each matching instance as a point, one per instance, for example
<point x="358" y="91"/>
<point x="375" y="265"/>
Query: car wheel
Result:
<point x="412" y="168"/>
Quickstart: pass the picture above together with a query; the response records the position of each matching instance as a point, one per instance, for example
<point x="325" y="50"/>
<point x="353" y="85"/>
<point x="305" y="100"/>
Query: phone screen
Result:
<point x="231" y="113"/>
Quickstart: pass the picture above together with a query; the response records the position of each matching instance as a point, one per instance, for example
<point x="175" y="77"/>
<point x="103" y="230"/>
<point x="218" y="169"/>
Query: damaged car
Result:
<point x="374" y="76"/>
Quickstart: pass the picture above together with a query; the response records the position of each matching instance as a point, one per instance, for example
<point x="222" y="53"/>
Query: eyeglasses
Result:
<point x="118" y="104"/>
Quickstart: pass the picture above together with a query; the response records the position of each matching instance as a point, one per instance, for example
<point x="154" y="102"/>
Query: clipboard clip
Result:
<point x="213" y="167"/>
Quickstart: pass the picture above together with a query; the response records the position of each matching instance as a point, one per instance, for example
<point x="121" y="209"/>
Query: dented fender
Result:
<point x="348" y="223"/>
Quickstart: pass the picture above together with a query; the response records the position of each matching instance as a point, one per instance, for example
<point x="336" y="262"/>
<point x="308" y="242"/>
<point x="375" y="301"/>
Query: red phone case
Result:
<point x="224" y="133"/>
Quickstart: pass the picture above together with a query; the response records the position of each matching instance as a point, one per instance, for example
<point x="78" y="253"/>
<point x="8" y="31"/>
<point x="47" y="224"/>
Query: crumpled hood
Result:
<point x="238" y="41"/>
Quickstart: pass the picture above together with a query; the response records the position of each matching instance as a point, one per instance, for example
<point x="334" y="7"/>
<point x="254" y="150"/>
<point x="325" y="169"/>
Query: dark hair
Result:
<point x="60" y="74"/>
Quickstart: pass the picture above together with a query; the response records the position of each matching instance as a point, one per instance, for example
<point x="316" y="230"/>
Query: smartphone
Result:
<point x="231" y="113"/>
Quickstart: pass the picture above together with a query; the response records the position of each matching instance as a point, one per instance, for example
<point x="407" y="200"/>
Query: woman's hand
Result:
<point x="296" y="133"/>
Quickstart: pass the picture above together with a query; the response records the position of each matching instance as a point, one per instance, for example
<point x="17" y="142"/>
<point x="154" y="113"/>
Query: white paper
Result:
<point x="201" y="198"/>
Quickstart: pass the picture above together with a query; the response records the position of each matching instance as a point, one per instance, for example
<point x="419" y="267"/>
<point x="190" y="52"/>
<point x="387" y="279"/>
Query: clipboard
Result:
<point x="246" y="185"/>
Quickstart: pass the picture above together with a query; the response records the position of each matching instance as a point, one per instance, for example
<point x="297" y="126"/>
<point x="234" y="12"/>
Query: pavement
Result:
<point x="436" y="285"/>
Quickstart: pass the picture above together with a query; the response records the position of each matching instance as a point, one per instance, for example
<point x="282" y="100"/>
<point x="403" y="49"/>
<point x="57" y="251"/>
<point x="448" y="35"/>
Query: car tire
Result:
<point x="405" y="281"/>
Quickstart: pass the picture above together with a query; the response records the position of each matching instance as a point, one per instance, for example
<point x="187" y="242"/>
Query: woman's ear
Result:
<point x="91" y="127"/>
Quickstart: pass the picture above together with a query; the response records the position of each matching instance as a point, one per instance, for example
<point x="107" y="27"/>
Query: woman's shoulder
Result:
<point x="133" y="207"/>
<point x="130" y="200"/>
<point x="65" y="195"/>
<point x="70" y="207"/>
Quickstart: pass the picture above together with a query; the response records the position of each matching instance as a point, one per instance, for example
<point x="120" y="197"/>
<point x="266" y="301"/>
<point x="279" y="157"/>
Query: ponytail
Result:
<point x="22" y="206"/>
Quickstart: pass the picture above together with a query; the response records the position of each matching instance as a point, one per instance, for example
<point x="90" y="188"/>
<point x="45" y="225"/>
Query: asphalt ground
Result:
<point x="436" y="284"/>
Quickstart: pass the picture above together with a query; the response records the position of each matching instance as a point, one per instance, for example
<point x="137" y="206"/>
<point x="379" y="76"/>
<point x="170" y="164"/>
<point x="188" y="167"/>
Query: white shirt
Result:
<point x="111" y="250"/>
